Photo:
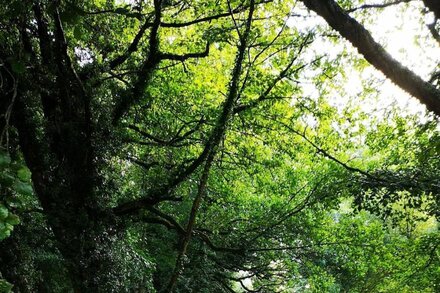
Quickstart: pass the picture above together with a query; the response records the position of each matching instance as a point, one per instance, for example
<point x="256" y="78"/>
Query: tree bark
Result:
<point x="58" y="150"/>
<point x="63" y="189"/>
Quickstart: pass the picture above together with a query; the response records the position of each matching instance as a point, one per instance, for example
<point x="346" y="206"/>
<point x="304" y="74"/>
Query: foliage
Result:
<point x="15" y="190"/>
<point x="209" y="146"/>
<point x="16" y="187"/>
<point x="5" y="287"/>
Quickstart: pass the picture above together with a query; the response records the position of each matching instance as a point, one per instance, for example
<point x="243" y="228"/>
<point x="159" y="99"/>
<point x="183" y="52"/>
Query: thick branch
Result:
<point x="143" y="203"/>
<point x="174" y="224"/>
<point x="374" y="53"/>
<point x="142" y="164"/>
<point x="43" y="35"/>
<point x="186" y="237"/>
<point x="64" y="56"/>
<point x="146" y="71"/>
<point x="132" y="48"/>
<point x="184" y="57"/>
<point x="217" y="135"/>
<point x="435" y="34"/>
<point x="170" y="223"/>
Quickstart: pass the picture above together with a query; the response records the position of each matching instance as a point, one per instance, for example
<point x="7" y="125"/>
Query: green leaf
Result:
<point x="23" y="188"/>
<point x="4" y="234"/>
<point x="5" y="287"/>
<point x="24" y="174"/>
<point x="13" y="219"/>
<point x="3" y="212"/>
<point x="5" y="159"/>
<point x="70" y="16"/>
<point x="6" y="179"/>
<point x="15" y="9"/>
<point x="77" y="32"/>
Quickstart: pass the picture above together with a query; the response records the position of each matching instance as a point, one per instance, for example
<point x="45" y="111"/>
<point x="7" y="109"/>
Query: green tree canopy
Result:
<point x="216" y="146"/>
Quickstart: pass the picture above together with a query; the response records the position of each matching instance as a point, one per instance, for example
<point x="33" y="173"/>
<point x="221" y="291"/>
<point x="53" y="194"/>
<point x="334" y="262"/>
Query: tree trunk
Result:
<point x="59" y="154"/>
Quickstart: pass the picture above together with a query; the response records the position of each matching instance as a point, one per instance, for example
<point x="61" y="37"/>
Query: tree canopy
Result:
<point x="218" y="146"/>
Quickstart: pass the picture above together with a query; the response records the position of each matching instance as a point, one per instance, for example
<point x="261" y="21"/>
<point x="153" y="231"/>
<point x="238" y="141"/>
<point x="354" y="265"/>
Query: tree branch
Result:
<point x="434" y="31"/>
<point x="146" y="71"/>
<point x="329" y="156"/>
<point x="43" y="35"/>
<point x="379" y="5"/>
<point x="132" y="48"/>
<point x="217" y="135"/>
<point x="184" y="57"/>
<point x="284" y="73"/>
<point x="375" y="54"/>
<point x="212" y="17"/>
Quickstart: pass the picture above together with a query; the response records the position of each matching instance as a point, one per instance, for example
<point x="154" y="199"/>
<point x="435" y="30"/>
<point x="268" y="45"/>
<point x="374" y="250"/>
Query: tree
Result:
<point x="171" y="149"/>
